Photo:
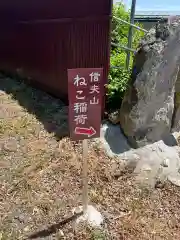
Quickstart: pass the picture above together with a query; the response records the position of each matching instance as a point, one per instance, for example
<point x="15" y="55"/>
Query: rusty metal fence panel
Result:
<point x="41" y="39"/>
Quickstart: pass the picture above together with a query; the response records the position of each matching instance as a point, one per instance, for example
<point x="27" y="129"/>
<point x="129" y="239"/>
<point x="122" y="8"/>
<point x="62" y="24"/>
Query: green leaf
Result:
<point x="119" y="77"/>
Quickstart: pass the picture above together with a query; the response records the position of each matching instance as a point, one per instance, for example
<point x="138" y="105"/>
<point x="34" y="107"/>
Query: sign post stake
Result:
<point x="85" y="90"/>
<point x="85" y="175"/>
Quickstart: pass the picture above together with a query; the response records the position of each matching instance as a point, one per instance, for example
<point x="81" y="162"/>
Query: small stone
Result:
<point x="118" y="174"/>
<point x="21" y="218"/>
<point x="77" y="210"/>
<point x="91" y="216"/>
<point x="10" y="145"/>
<point x="26" y="229"/>
<point x="36" y="211"/>
<point x="61" y="234"/>
<point x="143" y="221"/>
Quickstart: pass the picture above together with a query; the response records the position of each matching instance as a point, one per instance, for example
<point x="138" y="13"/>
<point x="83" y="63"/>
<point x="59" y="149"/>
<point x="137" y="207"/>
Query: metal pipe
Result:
<point x="123" y="47"/>
<point x="133" y="25"/>
<point x="121" y="67"/>
<point x="130" y="35"/>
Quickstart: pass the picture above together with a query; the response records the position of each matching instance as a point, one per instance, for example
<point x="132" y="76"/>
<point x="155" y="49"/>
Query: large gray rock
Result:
<point x="148" y="106"/>
<point x="150" y="164"/>
<point x="158" y="162"/>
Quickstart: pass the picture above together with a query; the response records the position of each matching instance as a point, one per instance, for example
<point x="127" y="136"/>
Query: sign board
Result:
<point x="86" y="91"/>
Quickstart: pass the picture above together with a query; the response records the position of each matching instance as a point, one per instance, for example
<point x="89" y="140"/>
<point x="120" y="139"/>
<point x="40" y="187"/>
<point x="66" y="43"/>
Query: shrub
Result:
<point x="119" y="75"/>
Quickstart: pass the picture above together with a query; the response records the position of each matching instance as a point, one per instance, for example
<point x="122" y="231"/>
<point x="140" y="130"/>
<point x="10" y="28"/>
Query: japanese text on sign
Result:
<point x="85" y="93"/>
<point x="81" y="108"/>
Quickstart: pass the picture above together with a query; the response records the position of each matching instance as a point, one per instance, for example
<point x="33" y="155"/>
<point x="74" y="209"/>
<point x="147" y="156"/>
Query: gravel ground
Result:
<point x="40" y="179"/>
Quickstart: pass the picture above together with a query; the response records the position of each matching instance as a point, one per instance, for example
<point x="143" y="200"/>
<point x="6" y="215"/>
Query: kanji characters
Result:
<point x="80" y="107"/>
<point x="79" y="81"/>
<point x="95" y="76"/>
<point x="94" y="89"/>
<point x="94" y="101"/>
<point x="80" y="119"/>
<point x="85" y="100"/>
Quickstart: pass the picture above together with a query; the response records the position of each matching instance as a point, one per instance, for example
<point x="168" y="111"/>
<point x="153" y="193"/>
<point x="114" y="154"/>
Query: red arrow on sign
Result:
<point x="85" y="131"/>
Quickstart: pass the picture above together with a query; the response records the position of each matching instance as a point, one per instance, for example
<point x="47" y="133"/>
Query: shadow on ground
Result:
<point x="54" y="228"/>
<point x="50" y="111"/>
<point x="114" y="140"/>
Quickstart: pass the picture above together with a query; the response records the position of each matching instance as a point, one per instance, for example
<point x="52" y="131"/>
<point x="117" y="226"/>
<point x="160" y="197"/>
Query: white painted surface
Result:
<point x="92" y="216"/>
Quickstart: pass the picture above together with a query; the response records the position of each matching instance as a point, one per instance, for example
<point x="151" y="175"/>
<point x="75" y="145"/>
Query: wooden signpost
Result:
<point x="86" y="91"/>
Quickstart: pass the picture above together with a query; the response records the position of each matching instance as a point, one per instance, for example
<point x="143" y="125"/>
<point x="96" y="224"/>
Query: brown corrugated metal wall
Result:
<point x="43" y="38"/>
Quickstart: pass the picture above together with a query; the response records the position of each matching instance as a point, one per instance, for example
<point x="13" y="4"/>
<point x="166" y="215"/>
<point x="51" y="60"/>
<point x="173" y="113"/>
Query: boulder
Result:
<point x="151" y="165"/>
<point x="147" y="109"/>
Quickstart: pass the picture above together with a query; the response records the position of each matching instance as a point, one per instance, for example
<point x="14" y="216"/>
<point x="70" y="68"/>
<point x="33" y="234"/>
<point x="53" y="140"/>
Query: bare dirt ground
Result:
<point x="40" y="179"/>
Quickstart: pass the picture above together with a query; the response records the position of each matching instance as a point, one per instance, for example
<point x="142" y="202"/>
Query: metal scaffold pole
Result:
<point x="130" y="35"/>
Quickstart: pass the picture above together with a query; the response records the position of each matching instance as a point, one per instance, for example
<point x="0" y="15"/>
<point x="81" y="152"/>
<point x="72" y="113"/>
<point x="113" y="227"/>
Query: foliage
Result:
<point x="119" y="75"/>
